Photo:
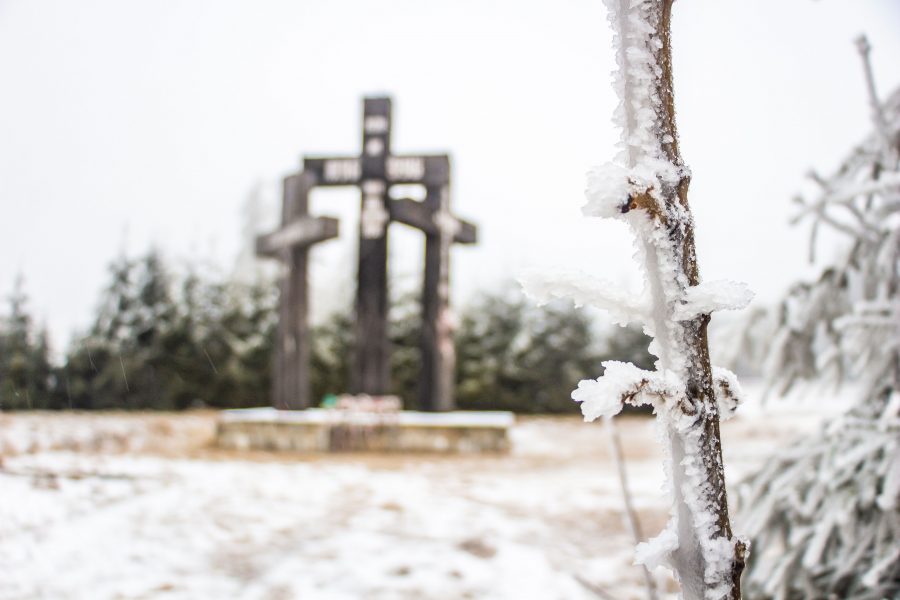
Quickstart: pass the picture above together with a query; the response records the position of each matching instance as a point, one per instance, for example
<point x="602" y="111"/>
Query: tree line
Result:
<point x="167" y="340"/>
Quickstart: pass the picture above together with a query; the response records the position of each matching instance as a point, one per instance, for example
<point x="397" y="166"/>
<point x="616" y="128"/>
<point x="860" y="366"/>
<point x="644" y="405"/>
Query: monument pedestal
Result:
<point x="330" y="430"/>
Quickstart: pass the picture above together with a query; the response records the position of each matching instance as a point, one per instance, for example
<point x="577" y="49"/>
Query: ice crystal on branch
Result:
<point x="729" y="395"/>
<point x="624" y="383"/>
<point x="584" y="290"/>
<point x="711" y="296"/>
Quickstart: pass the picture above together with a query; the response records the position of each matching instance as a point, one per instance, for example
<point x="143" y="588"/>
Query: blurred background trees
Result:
<point x="26" y="374"/>
<point x="157" y="342"/>
<point x="170" y="339"/>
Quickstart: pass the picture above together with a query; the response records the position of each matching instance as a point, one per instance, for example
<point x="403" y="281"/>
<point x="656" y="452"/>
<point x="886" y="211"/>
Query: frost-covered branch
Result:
<point x="729" y="395"/>
<point x="879" y="121"/>
<point x="623" y="307"/>
<point x="711" y="296"/>
<point x="826" y="512"/>
<point x="816" y="317"/>
<point x="624" y="383"/>
<point x="646" y="186"/>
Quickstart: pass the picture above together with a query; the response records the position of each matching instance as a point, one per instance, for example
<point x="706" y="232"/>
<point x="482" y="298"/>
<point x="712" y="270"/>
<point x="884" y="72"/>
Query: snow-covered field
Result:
<point x="141" y="506"/>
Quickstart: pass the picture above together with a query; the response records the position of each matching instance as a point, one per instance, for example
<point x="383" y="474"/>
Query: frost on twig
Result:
<point x="656" y="552"/>
<point x="583" y="290"/>
<point x="729" y="394"/>
<point x="624" y="383"/>
<point x="646" y="187"/>
<point x="711" y="296"/>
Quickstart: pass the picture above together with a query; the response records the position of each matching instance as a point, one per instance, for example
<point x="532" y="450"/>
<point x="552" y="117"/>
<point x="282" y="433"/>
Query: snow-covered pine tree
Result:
<point x="646" y="186"/>
<point x="826" y="512"/>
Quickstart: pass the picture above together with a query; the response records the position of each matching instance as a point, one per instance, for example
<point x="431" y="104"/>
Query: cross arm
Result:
<point x="302" y="232"/>
<point x="427" y="169"/>
<point x="467" y="234"/>
<point x="339" y="170"/>
<point x="415" y="214"/>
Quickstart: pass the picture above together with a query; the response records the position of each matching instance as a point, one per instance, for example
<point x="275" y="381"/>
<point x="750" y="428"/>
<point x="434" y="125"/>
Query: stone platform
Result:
<point x="331" y="430"/>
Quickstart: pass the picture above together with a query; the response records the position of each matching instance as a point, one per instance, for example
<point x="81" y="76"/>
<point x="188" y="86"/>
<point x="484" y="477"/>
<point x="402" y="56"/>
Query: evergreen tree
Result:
<point x="512" y="356"/>
<point x="26" y="374"/>
<point x="253" y="333"/>
<point x="169" y="343"/>
<point x="490" y="335"/>
<point x="406" y="362"/>
<point x="825" y="513"/>
<point x="332" y="344"/>
<point x="95" y="372"/>
<point x="506" y="353"/>
<point x="158" y="345"/>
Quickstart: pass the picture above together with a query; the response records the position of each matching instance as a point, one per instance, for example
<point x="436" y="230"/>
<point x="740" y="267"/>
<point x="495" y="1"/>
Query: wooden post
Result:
<point x="436" y="386"/>
<point x="290" y="244"/>
<point x="442" y="229"/>
<point x="370" y="371"/>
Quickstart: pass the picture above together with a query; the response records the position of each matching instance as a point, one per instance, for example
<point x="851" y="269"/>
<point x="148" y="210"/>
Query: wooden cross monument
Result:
<point x="374" y="171"/>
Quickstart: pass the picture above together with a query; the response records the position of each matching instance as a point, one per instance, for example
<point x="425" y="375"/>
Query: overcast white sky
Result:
<point x="130" y="123"/>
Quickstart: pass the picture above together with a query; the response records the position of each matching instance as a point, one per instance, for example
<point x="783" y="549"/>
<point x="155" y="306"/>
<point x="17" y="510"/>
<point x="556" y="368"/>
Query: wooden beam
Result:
<point x="347" y="170"/>
<point x="295" y="340"/>
<point x="467" y="234"/>
<point x="370" y="368"/>
<point x="436" y="384"/>
<point x="421" y="216"/>
<point x="339" y="170"/>
<point x="302" y="232"/>
<point x="290" y="244"/>
<point x="413" y="213"/>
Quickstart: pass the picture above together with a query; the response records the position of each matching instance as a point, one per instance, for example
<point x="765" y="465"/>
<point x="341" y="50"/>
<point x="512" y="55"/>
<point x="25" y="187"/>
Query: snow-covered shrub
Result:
<point x="646" y="187"/>
<point x="825" y="514"/>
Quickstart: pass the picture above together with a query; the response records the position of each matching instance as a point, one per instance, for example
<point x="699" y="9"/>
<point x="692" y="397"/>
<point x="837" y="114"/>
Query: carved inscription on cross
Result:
<point x="291" y="244"/>
<point x="374" y="172"/>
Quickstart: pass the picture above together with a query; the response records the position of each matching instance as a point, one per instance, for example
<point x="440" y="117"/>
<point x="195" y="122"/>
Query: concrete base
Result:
<point x="329" y="430"/>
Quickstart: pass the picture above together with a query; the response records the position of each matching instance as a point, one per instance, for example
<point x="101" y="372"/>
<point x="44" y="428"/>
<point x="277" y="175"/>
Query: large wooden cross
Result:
<point x="291" y="244"/>
<point x="441" y="228"/>
<point x="374" y="172"/>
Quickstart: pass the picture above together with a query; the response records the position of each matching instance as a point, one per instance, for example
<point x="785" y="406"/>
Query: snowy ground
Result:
<point x="140" y="506"/>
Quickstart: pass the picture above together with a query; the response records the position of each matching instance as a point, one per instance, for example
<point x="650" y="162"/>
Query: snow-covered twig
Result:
<point x="646" y="186"/>
<point x="711" y="296"/>
<point x="622" y="306"/>
<point x="624" y="383"/>
<point x="878" y="119"/>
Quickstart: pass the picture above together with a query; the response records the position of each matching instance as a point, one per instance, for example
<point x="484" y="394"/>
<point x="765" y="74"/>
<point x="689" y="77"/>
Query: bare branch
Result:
<point x="634" y="523"/>
<point x="878" y="119"/>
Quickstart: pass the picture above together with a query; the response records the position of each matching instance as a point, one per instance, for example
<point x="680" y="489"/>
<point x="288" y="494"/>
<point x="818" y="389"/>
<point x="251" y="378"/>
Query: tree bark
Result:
<point x="696" y="447"/>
